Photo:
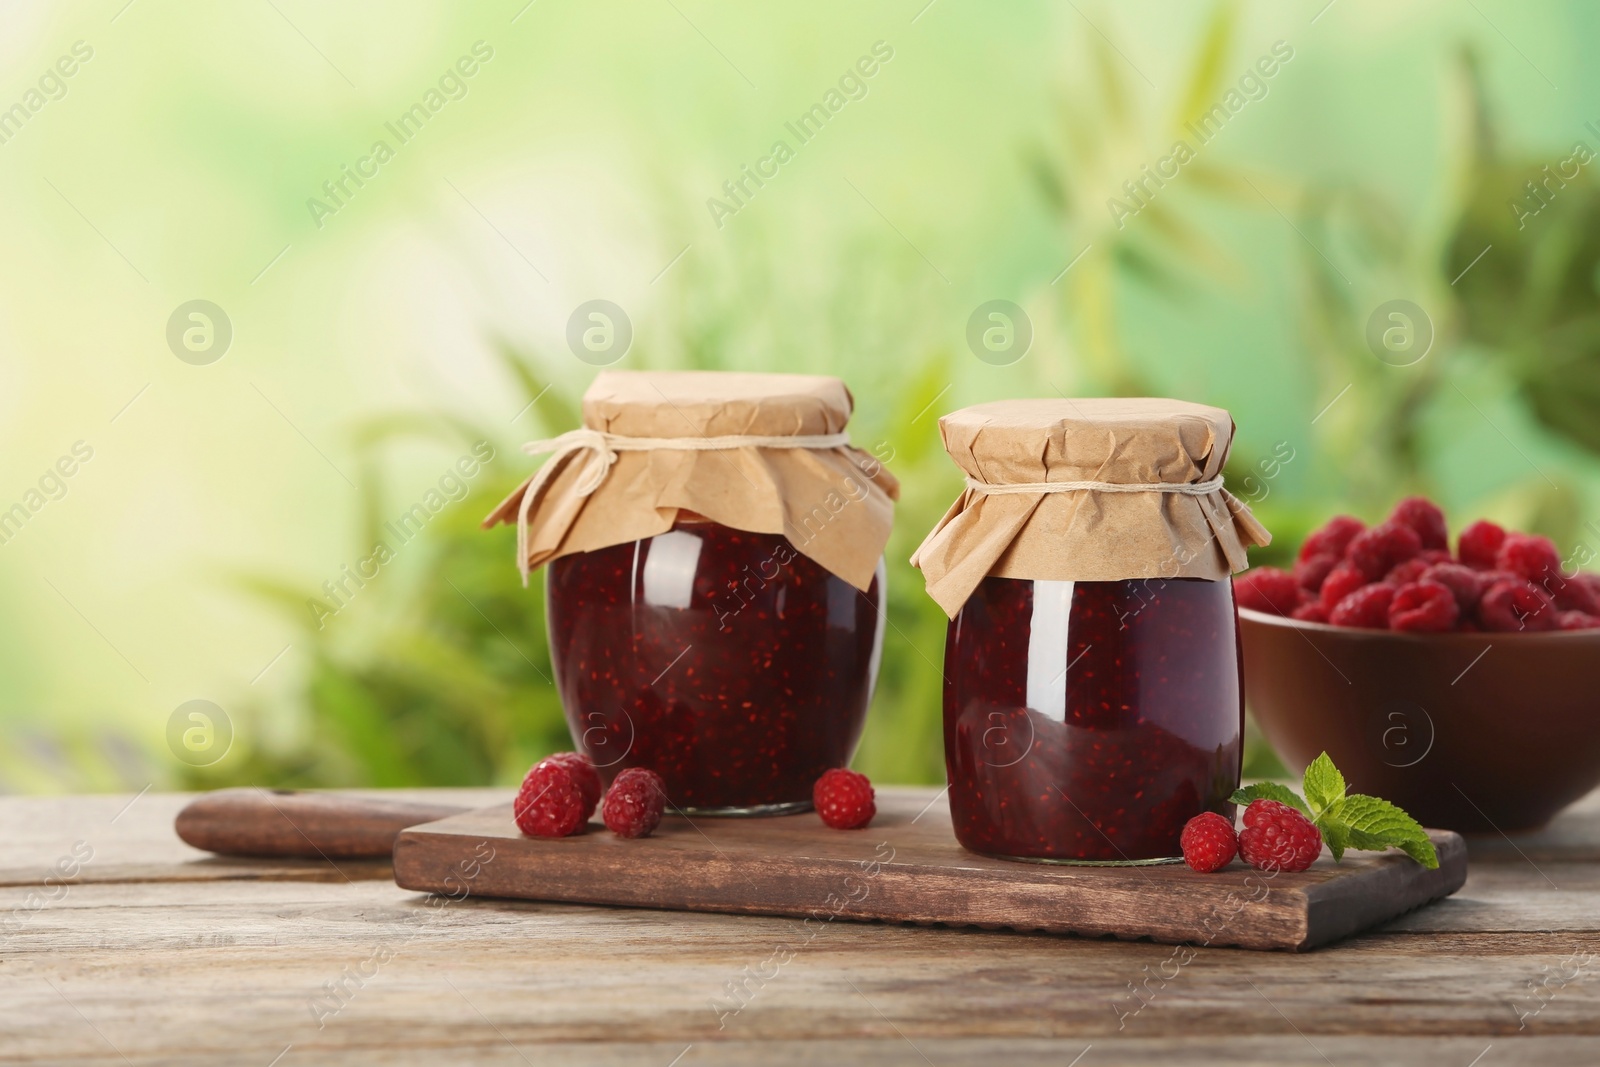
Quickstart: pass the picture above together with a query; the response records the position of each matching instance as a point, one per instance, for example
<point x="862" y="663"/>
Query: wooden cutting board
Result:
<point x="907" y="868"/>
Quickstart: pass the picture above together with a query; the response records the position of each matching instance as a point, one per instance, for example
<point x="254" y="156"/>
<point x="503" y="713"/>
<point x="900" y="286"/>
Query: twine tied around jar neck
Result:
<point x="1186" y="488"/>
<point x="601" y="448"/>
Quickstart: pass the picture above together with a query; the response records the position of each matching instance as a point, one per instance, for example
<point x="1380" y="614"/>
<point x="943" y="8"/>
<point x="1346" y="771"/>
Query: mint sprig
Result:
<point x="1347" y="820"/>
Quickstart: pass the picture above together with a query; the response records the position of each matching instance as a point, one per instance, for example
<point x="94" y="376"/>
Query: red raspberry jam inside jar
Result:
<point x="715" y="592"/>
<point x="1089" y="721"/>
<point x="725" y="661"/>
<point x="1093" y="689"/>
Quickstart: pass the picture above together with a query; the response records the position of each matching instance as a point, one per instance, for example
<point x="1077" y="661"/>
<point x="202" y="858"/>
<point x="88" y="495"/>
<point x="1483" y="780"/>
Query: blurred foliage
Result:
<point x="1533" y="300"/>
<point x="444" y="681"/>
<point x="442" y="676"/>
<point x="439" y="676"/>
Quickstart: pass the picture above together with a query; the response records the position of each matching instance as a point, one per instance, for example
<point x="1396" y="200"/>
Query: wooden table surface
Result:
<point x="152" y="953"/>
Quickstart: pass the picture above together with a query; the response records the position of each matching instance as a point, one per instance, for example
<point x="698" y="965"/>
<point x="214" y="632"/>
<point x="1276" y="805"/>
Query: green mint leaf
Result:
<point x="1323" y="784"/>
<point x="1337" y="837"/>
<point x="1373" y="825"/>
<point x="1269" y="791"/>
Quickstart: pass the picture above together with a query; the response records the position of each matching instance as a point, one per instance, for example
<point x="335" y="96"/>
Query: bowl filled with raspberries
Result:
<point x="1460" y="678"/>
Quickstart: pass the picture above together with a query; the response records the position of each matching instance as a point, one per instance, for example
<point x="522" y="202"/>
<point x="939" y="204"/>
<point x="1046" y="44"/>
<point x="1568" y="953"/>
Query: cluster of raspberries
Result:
<point x="1275" y="837"/>
<point x="1400" y="575"/>
<point x="560" y="794"/>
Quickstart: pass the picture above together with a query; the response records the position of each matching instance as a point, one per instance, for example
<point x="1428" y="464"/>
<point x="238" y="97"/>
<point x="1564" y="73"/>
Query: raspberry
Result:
<point x="550" y="803"/>
<point x="1312" y="571"/>
<point x="1367" y="607"/>
<point x="1425" y="518"/>
<point x="1427" y="607"/>
<point x="1577" y="620"/>
<point x="1310" y="612"/>
<point x="1377" y="550"/>
<point x="1278" y="838"/>
<point x="634" y="803"/>
<point x="1532" y="556"/>
<point x="1267" y="589"/>
<point x="1333" y="538"/>
<point x="1209" y="842"/>
<point x="583" y="772"/>
<point x="844" y="799"/>
<point x="1479" y="544"/>
<point x="1431" y="556"/>
<point x="1343" y="580"/>
<point x="1463" y="581"/>
<point x="1510" y="606"/>
<point x="1406" y="573"/>
<point x="1571" y="594"/>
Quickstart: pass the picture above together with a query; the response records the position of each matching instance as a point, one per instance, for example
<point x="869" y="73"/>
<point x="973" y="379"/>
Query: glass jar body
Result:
<point x="725" y="661"/>
<point x="1088" y="722"/>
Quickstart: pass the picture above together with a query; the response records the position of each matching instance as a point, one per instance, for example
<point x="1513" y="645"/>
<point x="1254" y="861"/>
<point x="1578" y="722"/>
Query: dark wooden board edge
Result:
<point x="1252" y="911"/>
<point x="1340" y="907"/>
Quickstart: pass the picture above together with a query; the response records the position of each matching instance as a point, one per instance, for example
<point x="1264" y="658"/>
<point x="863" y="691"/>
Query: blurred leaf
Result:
<point x="1206" y="77"/>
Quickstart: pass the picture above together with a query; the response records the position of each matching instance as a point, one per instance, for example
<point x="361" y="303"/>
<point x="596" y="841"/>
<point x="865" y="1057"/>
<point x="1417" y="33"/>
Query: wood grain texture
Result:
<point x="170" y="970"/>
<point x="278" y="822"/>
<point x="130" y="838"/>
<point x="235" y="972"/>
<point x="907" y="867"/>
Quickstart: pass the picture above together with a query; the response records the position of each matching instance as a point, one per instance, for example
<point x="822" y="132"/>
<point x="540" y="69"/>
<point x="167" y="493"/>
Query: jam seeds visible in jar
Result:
<point x="716" y="584"/>
<point x="1092" y="700"/>
<point x="1098" y="742"/>
<point x="739" y="691"/>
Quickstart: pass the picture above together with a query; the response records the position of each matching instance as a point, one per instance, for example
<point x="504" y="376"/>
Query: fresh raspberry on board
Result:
<point x="1577" y="620"/>
<point x="634" y="803"/>
<point x="1208" y="842"/>
<point x="550" y="803"/>
<point x="1267" y="589"/>
<point x="1532" y="556"/>
<point x="1423" y="516"/>
<point x="844" y="799"/>
<point x="1423" y="607"/>
<point x="1479" y="544"/>
<point x="1463" y="581"/>
<point x="1377" y="550"/>
<point x="1367" y="607"/>
<point x="1333" y="538"/>
<point x="1516" y="606"/>
<point x="1278" y="838"/>
<point x="583" y="772"/>
<point x="1345" y="579"/>
<point x="1312" y="571"/>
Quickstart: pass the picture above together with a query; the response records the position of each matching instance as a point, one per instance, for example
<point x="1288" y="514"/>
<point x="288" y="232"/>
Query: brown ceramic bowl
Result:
<point x="1477" y="733"/>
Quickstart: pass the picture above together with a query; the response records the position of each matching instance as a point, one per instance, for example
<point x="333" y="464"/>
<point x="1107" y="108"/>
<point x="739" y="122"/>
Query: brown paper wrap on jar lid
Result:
<point x="766" y="453"/>
<point x="1087" y="490"/>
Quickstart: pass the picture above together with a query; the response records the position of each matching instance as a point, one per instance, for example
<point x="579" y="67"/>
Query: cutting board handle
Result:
<point x="275" y="822"/>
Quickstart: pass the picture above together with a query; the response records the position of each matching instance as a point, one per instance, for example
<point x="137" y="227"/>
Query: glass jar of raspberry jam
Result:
<point x="1089" y="721"/>
<point x="1093" y="696"/>
<point x="725" y="661"/>
<point x="716" y="585"/>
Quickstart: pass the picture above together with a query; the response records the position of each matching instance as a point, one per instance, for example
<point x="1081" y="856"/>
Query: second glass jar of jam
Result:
<point x="1093" y="695"/>
<point x="725" y="661"/>
<point x="1089" y="721"/>
<point x="715" y="598"/>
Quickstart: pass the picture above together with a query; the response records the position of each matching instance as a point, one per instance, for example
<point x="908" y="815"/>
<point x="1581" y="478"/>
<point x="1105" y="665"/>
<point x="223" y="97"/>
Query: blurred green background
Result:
<point x="1386" y="158"/>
